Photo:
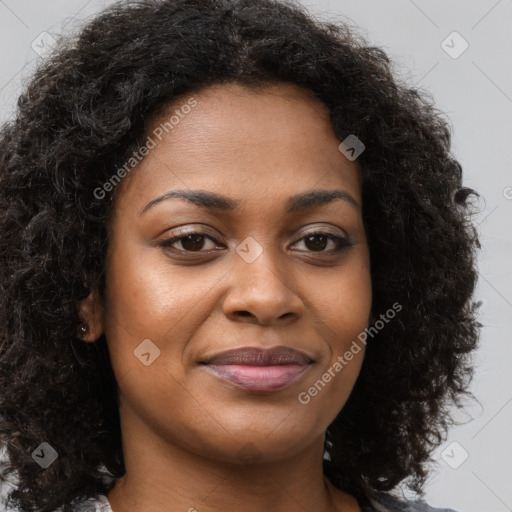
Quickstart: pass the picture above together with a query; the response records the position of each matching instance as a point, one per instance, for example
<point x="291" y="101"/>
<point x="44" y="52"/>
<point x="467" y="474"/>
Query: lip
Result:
<point x="257" y="369"/>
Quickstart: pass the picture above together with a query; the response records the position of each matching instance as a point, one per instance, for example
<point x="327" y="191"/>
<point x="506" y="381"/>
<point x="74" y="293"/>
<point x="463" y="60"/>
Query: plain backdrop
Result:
<point x="458" y="50"/>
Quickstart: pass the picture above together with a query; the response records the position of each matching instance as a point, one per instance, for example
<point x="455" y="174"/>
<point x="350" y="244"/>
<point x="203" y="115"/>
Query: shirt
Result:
<point x="380" y="503"/>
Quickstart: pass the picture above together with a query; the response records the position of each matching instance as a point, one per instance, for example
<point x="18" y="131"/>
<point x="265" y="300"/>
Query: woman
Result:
<point x="237" y="269"/>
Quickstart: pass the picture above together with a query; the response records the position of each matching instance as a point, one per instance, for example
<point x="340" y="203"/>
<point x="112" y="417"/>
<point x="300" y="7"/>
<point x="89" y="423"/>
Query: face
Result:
<point x="272" y="265"/>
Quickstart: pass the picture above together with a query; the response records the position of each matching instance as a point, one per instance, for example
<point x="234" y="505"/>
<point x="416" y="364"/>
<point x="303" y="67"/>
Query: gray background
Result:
<point x="475" y="91"/>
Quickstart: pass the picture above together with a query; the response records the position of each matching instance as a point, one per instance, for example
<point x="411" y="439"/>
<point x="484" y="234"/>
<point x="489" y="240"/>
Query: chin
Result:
<point x="268" y="445"/>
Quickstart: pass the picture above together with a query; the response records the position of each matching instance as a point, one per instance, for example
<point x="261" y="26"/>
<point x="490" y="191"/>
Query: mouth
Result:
<point x="256" y="369"/>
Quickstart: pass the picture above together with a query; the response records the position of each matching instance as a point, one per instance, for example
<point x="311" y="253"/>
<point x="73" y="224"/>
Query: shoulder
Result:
<point x="97" y="503"/>
<point x="382" y="502"/>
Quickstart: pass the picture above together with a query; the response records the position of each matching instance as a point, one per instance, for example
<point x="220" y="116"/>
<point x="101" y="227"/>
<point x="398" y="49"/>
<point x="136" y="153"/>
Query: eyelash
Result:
<point x="340" y="242"/>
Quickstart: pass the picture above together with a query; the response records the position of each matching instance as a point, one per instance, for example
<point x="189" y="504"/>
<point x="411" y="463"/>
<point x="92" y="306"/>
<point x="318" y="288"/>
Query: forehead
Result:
<point x="245" y="142"/>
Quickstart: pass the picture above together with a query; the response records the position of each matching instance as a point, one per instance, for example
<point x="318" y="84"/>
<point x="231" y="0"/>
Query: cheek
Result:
<point x="354" y="307"/>
<point x="154" y="397"/>
<point x="345" y="303"/>
<point x="343" y="312"/>
<point x="148" y="298"/>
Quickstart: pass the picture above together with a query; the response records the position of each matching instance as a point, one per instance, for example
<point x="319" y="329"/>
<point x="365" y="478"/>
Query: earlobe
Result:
<point x="90" y="312"/>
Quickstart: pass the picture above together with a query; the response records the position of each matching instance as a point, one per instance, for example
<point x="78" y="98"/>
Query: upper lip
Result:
<point x="254" y="356"/>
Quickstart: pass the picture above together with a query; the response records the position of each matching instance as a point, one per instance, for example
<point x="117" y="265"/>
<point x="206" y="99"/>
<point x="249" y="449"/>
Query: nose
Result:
<point x="262" y="292"/>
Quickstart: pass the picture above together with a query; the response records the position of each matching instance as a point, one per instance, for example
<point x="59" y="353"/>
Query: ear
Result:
<point x="91" y="314"/>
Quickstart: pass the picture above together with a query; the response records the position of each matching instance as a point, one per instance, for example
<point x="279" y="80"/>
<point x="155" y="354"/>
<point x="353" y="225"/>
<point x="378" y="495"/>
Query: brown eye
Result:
<point x="191" y="242"/>
<point x="318" y="242"/>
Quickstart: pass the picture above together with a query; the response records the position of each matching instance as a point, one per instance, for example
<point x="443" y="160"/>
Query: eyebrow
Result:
<point x="218" y="202"/>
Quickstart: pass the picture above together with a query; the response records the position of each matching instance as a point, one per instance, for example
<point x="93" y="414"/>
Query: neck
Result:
<point x="162" y="477"/>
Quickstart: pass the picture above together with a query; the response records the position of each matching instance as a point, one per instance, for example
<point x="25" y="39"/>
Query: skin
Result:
<point x="183" y="428"/>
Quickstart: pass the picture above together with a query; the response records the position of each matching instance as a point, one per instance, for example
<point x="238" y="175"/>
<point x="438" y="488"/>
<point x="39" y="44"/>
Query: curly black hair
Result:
<point x="86" y="109"/>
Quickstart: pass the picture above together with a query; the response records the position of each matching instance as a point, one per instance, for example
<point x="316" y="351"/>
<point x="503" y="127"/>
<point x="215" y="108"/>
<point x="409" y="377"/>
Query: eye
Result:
<point x="317" y="241"/>
<point x="192" y="241"/>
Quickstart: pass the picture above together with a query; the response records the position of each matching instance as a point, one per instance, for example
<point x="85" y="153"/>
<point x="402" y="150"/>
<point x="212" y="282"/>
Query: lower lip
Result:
<point x="259" y="378"/>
